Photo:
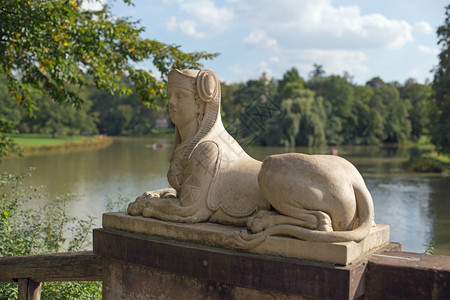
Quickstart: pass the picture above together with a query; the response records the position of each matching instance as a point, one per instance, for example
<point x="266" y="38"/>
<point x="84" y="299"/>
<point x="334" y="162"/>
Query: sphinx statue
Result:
<point x="309" y="197"/>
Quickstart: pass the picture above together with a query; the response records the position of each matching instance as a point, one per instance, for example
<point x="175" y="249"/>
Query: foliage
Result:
<point x="423" y="164"/>
<point x="430" y="248"/>
<point x="330" y="110"/>
<point x="60" y="119"/>
<point x="338" y="100"/>
<point x="418" y="96"/>
<point x="48" y="229"/>
<point x="318" y="72"/>
<point x="101" y="113"/>
<point x="121" y="114"/>
<point x="252" y="104"/>
<point x="51" y="46"/>
<point x="302" y="119"/>
<point x="440" y="108"/>
<point x="393" y="111"/>
<point x="341" y="112"/>
<point x="289" y="84"/>
<point x="365" y="125"/>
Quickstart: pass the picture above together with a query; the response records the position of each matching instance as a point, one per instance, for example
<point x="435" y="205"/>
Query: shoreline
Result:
<point x="62" y="146"/>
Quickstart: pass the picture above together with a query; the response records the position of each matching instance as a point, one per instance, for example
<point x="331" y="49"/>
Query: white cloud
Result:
<point x="171" y="25"/>
<point x="203" y="14"/>
<point x="206" y="12"/>
<point x="424" y="27"/>
<point x="427" y="50"/>
<point x="259" y="37"/>
<point x="333" y="61"/>
<point x="296" y="23"/>
<point x="318" y="23"/>
<point x="296" y="33"/>
<point x="187" y="27"/>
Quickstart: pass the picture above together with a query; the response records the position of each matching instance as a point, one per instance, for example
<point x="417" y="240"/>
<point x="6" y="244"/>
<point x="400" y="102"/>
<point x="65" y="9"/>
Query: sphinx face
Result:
<point x="182" y="106"/>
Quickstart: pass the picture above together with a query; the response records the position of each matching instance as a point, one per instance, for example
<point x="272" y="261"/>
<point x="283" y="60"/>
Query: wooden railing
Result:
<point x="30" y="270"/>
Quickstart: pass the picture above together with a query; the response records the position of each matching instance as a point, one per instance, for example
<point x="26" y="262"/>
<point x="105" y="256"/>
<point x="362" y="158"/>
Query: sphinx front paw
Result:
<point x="147" y="212"/>
<point x="134" y="209"/>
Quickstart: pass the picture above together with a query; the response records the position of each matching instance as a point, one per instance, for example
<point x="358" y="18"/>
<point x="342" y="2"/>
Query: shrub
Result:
<point x="423" y="164"/>
<point x="48" y="229"/>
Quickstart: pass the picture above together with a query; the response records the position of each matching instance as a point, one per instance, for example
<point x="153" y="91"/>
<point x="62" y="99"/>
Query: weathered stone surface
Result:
<point x="217" y="235"/>
<point x="139" y="267"/>
<point x="147" y="283"/>
<point x="405" y="275"/>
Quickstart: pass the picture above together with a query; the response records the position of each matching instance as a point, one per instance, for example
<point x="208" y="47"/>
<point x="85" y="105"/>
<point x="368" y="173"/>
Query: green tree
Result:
<point x="60" y="119"/>
<point x="228" y="108"/>
<point x="290" y="84"/>
<point x="122" y="114"/>
<point x="440" y="108"/>
<point x="10" y="114"/>
<point x="338" y="100"/>
<point x="300" y="122"/>
<point x="418" y="95"/>
<point x="51" y="45"/>
<point x="251" y="108"/>
<point x="393" y="111"/>
<point x="318" y="72"/>
<point x="365" y="126"/>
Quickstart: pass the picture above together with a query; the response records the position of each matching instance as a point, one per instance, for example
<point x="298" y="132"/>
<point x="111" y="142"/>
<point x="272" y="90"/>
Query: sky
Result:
<point x="392" y="39"/>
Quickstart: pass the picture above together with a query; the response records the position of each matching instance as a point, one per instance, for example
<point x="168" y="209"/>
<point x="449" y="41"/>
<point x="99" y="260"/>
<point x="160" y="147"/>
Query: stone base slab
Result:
<point x="211" y="234"/>
<point x="147" y="267"/>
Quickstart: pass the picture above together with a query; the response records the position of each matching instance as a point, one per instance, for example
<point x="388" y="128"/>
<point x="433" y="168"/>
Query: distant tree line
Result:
<point x="292" y="111"/>
<point x="327" y="110"/>
<point x="100" y="113"/>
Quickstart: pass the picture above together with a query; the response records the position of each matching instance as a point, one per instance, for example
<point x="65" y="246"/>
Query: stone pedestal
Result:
<point x="139" y="267"/>
<point x="217" y="235"/>
<point x="146" y="258"/>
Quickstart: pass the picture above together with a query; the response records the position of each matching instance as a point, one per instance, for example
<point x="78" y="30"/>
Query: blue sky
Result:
<point x="392" y="39"/>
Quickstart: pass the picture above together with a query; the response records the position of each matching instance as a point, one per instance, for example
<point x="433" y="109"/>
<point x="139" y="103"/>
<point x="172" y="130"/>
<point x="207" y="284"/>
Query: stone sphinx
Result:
<point x="319" y="198"/>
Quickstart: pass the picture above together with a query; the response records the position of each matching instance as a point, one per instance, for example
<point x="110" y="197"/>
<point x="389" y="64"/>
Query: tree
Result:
<point x="366" y="124"/>
<point x="338" y="100"/>
<point x="51" y="45"/>
<point x="440" y="108"/>
<point x="60" y="119"/>
<point x="318" y="72"/>
<point x="300" y="122"/>
<point x="419" y="96"/>
<point x="122" y="114"/>
<point x="393" y="111"/>
<point x="290" y="84"/>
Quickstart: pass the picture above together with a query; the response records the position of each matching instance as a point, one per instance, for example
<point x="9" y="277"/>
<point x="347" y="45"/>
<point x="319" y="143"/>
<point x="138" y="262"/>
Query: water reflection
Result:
<point x="417" y="207"/>
<point x="403" y="203"/>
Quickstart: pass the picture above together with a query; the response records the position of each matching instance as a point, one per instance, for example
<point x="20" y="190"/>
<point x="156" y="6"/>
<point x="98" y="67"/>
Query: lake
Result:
<point x="416" y="206"/>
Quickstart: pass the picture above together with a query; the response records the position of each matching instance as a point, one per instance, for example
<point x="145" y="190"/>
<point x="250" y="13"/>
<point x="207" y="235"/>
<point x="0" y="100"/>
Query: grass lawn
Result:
<point x="38" y="143"/>
<point x="40" y="140"/>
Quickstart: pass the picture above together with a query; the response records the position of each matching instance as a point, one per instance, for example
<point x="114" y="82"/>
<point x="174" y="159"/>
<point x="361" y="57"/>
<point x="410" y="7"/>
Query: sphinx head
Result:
<point x="194" y="101"/>
<point x="189" y="91"/>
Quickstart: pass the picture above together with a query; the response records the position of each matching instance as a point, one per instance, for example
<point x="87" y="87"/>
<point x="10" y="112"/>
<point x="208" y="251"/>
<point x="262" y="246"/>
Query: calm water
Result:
<point x="416" y="206"/>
